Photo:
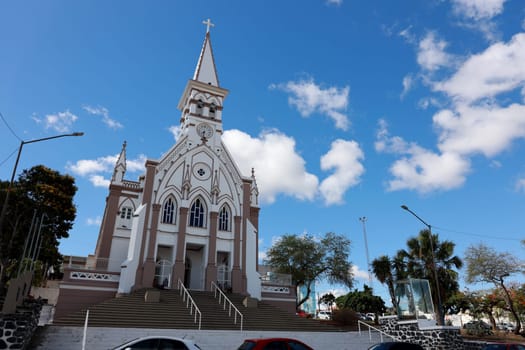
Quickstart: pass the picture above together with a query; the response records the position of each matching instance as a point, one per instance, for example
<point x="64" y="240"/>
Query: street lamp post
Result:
<point x="22" y="143"/>
<point x="440" y="316"/>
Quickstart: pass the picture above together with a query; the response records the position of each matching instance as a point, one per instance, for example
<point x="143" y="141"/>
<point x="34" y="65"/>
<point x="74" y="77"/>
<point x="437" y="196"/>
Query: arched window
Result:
<point x="224" y="219"/>
<point x="200" y="105"/>
<point x="168" y="211"/>
<point x="197" y="214"/>
<point x="213" y="108"/>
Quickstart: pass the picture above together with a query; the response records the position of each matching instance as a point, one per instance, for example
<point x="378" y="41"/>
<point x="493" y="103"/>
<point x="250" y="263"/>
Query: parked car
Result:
<point x="505" y="326"/>
<point x="477" y="327"/>
<point x="504" y="346"/>
<point x="273" y="344"/>
<point x="396" y="345"/>
<point x="324" y="315"/>
<point x="304" y="314"/>
<point x="158" y="343"/>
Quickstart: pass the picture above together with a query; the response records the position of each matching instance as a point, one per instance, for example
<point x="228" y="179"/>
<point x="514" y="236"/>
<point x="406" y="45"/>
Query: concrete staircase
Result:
<point x="132" y="311"/>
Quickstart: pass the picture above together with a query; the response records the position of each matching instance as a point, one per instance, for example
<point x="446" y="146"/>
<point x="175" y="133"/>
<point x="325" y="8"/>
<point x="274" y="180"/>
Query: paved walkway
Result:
<point x="70" y="338"/>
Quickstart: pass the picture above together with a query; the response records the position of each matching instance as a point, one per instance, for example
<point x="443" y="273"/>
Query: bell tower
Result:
<point x="202" y="100"/>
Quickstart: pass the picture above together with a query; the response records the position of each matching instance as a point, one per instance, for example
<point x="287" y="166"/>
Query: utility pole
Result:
<point x="363" y="220"/>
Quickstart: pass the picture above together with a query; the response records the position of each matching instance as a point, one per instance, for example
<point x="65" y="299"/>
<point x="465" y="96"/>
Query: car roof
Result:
<point x="271" y="339"/>
<point x="187" y="341"/>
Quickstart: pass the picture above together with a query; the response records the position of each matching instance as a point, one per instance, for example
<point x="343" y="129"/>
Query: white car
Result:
<point x="324" y="315"/>
<point x="157" y="343"/>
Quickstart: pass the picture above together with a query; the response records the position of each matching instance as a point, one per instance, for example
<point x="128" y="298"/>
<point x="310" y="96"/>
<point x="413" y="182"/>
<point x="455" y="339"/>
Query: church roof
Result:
<point x="205" y="71"/>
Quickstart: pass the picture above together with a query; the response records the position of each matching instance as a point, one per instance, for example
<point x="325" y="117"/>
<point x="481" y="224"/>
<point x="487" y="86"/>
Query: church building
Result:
<point x="191" y="218"/>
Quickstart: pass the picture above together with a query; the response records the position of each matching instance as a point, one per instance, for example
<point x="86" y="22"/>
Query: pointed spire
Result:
<point x="205" y="71"/>
<point x="120" y="166"/>
<point x="254" y="195"/>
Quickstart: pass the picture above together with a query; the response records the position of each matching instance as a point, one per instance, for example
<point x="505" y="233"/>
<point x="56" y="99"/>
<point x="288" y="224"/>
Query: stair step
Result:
<point x="171" y="312"/>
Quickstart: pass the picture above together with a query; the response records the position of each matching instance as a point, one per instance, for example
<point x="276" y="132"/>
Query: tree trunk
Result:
<point x="508" y="299"/>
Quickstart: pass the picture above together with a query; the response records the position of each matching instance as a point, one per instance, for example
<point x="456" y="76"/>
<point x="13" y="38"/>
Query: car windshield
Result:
<point x="247" y="345"/>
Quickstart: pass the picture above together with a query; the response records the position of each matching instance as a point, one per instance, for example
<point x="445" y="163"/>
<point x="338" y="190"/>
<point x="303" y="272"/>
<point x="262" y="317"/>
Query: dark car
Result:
<point x="396" y="345"/>
<point x="273" y="344"/>
<point x="158" y="343"/>
<point x="504" y="346"/>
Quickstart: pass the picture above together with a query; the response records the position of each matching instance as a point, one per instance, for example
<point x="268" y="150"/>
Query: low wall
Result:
<point x="17" y="329"/>
<point x="430" y="338"/>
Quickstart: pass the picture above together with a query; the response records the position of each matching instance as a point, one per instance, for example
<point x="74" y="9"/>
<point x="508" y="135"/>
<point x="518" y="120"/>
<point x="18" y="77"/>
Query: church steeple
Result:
<point x="202" y="100"/>
<point x="120" y="166"/>
<point x="205" y="71"/>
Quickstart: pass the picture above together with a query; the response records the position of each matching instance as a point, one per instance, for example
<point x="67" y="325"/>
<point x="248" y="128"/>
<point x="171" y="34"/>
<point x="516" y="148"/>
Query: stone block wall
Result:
<point x="430" y="338"/>
<point x="17" y="329"/>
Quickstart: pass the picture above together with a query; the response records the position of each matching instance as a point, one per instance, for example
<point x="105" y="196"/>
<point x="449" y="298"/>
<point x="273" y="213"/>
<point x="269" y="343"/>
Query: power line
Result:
<point x="477" y="234"/>
<point x="9" y="156"/>
<point x="9" y="127"/>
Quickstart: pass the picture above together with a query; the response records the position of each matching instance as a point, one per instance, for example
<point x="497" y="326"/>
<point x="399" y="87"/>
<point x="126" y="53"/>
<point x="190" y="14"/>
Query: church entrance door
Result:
<point x="194" y="267"/>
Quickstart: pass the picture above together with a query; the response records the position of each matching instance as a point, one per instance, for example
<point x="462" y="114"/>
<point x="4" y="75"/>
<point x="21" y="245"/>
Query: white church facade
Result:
<point x="191" y="218"/>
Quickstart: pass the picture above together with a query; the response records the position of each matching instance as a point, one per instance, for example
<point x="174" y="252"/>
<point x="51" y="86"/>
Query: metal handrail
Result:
<point x="215" y="288"/>
<point x="381" y="333"/>
<point x="189" y="302"/>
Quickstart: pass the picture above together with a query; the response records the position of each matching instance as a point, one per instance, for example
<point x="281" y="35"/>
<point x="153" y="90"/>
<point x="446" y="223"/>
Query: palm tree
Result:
<point x="426" y="253"/>
<point x="382" y="269"/>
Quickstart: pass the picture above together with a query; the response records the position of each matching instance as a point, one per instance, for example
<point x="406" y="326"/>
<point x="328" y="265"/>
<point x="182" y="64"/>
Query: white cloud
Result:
<point x="99" y="181"/>
<point x="334" y="2"/>
<point x="106" y="119"/>
<point x="431" y="53"/>
<point x="278" y="166"/>
<point x="309" y="98"/>
<point x="94" y="221"/>
<point x="60" y="122"/>
<point x="360" y="274"/>
<point x="520" y="185"/>
<point x="475" y="122"/>
<point x="408" y="82"/>
<point x="99" y="171"/>
<point x="408" y="35"/>
<point x="486" y="129"/>
<point x="175" y="130"/>
<point x="478" y="9"/>
<point x="419" y="169"/>
<point x="345" y="157"/>
<point x="500" y="68"/>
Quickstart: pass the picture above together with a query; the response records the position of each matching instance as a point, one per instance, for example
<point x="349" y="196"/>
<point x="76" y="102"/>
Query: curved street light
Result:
<point x="441" y="317"/>
<point x="22" y="143"/>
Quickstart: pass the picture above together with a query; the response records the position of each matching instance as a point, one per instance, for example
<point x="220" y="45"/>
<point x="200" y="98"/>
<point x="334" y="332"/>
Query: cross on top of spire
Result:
<point x="208" y="25"/>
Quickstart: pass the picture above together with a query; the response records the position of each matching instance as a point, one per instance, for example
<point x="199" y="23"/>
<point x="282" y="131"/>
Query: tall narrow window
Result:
<point x="200" y="104"/>
<point x="213" y="108"/>
<point x="224" y="219"/>
<point x="168" y="213"/>
<point x="197" y="214"/>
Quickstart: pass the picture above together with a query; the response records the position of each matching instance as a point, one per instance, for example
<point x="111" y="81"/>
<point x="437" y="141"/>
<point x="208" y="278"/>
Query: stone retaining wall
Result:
<point x="16" y="330"/>
<point x="431" y="338"/>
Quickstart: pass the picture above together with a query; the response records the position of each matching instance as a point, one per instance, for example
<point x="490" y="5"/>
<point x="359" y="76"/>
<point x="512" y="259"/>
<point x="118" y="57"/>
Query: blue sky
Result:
<point x="350" y="108"/>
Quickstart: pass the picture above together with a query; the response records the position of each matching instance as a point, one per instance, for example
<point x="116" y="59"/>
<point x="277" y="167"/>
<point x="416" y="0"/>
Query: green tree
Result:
<point x="308" y="259"/>
<point x="362" y="301"/>
<point x="484" y="264"/>
<point x="382" y="268"/>
<point x="427" y="257"/>
<point x="328" y="299"/>
<point x="39" y="192"/>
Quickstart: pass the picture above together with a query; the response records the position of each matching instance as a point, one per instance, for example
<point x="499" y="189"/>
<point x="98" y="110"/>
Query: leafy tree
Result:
<point x="458" y="302"/>
<point x="427" y="257"/>
<point x="383" y="270"/>
<point x="484" y="264"/>
<point x="39" y="192"/>
<point x="328" y="299"/>
<point x="308" y="259"/>
<point x="361" y="301"/>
